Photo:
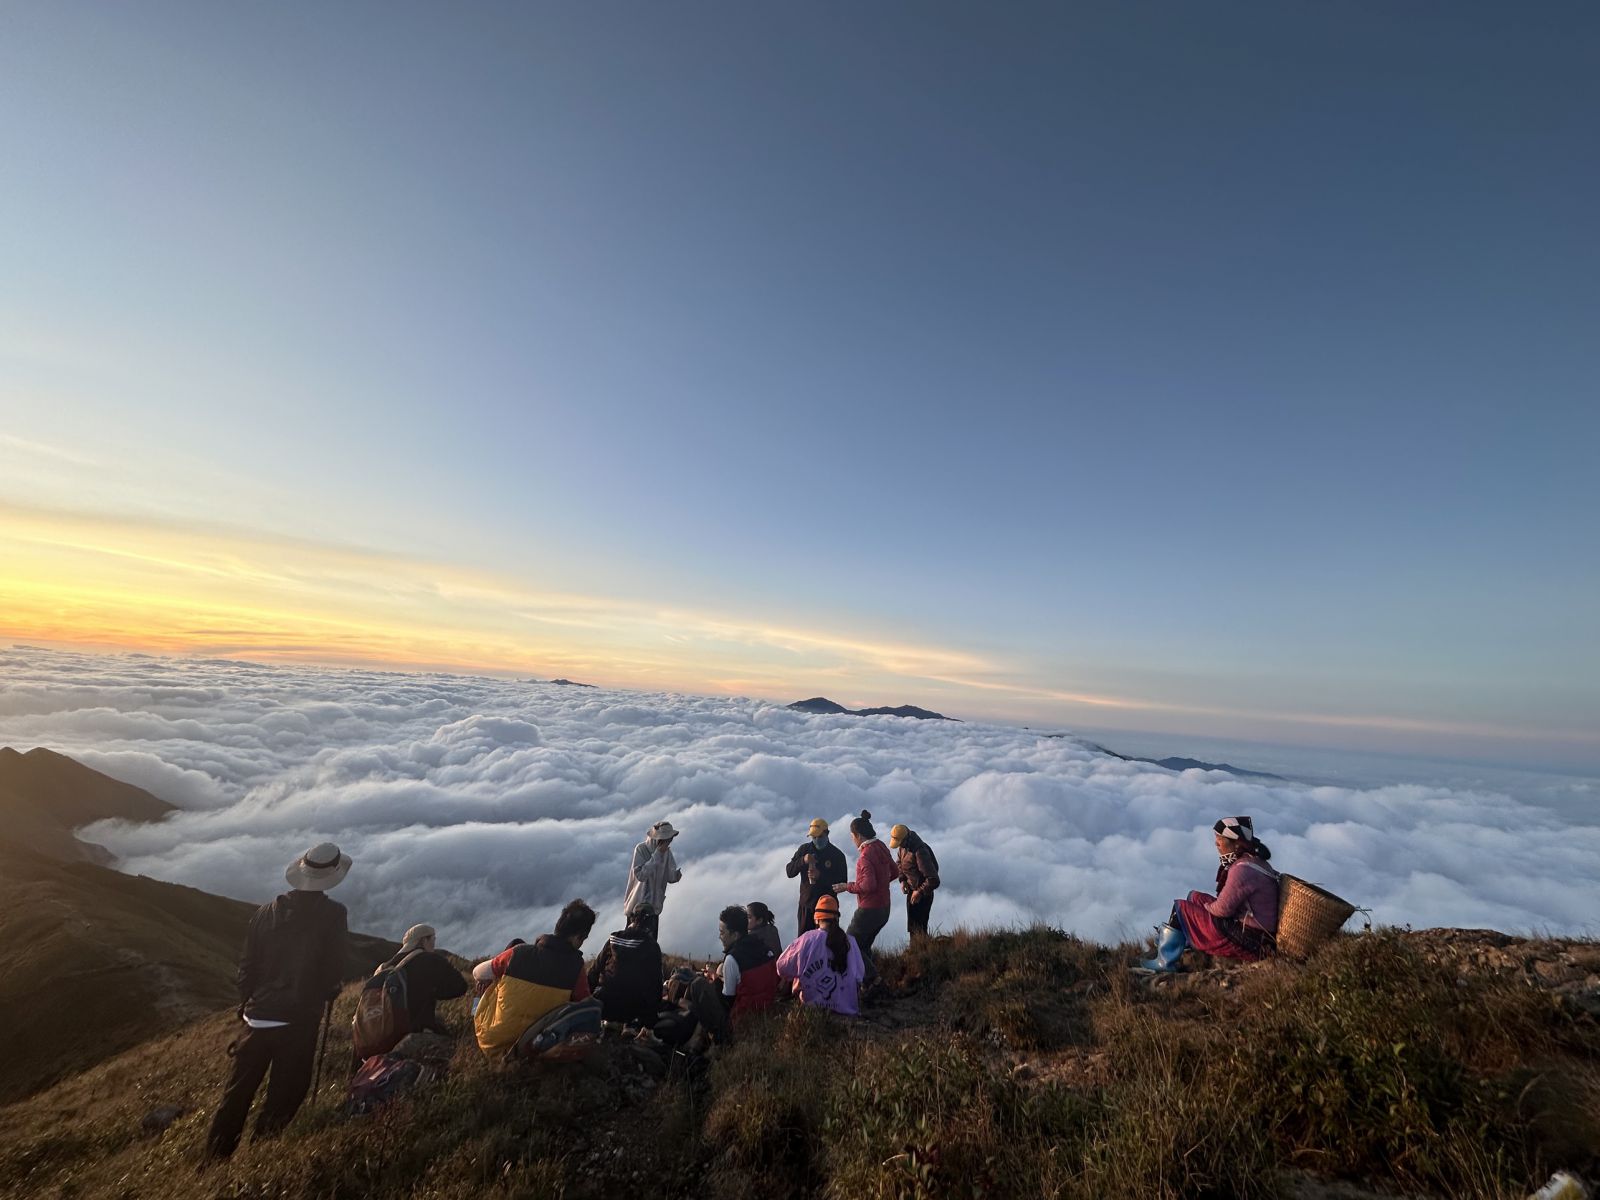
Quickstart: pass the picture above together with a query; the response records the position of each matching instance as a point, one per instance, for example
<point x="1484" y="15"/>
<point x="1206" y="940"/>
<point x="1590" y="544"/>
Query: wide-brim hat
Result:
<point x="818" y="828"/>
<point x="662" y="831"/>
<point x="897" y="836"/>
<point x="318" y="869"/>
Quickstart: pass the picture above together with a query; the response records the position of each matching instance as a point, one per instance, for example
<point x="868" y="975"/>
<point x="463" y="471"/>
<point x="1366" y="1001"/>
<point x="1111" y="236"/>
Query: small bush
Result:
<point x="1367" y="1062"/>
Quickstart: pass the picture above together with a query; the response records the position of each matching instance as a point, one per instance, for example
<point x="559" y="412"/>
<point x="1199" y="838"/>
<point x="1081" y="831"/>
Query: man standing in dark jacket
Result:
<point x="919" y="877"/>
<point x="626" y="977"/>
<point x="820" y="865"/>
<point x="293" y="958"/>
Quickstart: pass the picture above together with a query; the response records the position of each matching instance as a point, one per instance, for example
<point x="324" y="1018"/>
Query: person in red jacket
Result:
<point x="875" y="871"/>
<point x="750" y="969"/>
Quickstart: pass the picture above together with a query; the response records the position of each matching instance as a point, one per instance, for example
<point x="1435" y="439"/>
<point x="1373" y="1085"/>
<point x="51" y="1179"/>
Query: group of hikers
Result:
<point x="538" y="1000"/>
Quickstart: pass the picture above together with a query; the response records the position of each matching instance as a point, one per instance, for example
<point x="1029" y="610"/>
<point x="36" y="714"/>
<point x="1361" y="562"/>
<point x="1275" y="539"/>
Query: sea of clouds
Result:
<point x="482" y="805"/>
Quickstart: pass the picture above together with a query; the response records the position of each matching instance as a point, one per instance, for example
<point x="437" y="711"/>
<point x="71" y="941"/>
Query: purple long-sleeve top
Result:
<point x="1251" y="890"/>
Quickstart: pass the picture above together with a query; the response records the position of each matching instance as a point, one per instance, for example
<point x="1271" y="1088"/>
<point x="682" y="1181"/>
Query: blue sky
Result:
<point x="1229" y="362"/>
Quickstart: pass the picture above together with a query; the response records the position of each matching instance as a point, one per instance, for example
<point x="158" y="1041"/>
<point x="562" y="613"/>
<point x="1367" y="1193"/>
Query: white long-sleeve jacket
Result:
<point x="649" y="876"/>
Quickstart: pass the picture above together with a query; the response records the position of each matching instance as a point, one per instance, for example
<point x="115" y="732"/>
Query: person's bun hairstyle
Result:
<point x="862" y="826"/>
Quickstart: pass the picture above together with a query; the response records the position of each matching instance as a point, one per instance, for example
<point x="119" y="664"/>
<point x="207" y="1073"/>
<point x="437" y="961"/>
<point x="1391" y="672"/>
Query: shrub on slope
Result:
<point x="1368" y="1063"/>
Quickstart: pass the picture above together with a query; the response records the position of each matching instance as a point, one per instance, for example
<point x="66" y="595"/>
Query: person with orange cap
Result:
<point x="825" y="963"/>
<point x="820" y="865"/>
<point x="919" y="877"/>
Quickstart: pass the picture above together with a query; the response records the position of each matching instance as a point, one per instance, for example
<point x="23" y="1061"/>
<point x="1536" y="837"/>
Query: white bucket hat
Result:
<point x="318" y="869"/>
<point x="416" y="935"/>
<point x="662" y="831"/>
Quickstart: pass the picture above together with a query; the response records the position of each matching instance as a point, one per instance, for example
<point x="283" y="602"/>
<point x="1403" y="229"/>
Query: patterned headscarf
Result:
<point x="1236" y="829"/>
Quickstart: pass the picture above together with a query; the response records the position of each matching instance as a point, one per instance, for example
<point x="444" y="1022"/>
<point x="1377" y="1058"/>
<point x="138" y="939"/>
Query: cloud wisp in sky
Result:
<point x="191" y="588"/>
<point x="482" y="805"/>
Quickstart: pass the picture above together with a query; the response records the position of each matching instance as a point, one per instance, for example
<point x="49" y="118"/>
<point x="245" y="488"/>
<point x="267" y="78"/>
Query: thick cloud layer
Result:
<point x="482" y="805"/>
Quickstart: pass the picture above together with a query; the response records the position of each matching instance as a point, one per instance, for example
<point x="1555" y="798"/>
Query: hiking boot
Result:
<point x="1171" y="942"/>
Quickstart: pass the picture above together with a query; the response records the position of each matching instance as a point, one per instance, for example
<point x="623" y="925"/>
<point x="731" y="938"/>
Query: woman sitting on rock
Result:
<point x="1241" y="920"/>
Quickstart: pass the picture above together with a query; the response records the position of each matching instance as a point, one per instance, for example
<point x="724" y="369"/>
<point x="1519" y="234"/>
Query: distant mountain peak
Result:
<point x="822" y="706"/>
<point x="819" y="704"/>
<point x="1176" y="764"/>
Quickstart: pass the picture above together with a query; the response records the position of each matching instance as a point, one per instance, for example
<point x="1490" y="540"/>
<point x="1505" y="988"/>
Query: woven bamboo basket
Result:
<point x="1307" y="916"/>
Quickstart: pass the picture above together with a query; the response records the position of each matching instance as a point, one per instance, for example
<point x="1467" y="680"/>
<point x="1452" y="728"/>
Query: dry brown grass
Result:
<point x="1366" y="1063"/>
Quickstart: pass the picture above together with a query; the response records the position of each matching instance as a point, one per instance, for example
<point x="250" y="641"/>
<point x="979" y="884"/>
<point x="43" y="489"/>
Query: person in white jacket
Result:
<point x="653" y="868"/>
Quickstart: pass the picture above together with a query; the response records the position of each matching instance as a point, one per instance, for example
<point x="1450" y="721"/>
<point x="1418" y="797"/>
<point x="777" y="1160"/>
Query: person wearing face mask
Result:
<point x="820" y="865"/>
<point x="653" y="868"/>
<point x="1241" y="920"/>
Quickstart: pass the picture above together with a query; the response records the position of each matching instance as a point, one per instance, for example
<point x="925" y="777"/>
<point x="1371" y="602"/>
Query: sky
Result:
<point x="1223" y="371"/>
<point x="481" y="806"/>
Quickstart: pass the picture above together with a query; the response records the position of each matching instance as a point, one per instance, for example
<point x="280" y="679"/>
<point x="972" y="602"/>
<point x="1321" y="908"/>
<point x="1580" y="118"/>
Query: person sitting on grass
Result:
<point x="1241" y="920"/>
<point x="626" y="977"/>
<point x="429" y="979"/>
<point x="527" y="982"/>
<point x="692" y="1016"/>
<point x="825" y="963"/>
<point x="763" y="925"/>
<point x="749" y="971"/>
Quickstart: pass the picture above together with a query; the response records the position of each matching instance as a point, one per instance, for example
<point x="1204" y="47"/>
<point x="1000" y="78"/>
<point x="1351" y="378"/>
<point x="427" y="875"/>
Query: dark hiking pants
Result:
<point x="806" y="917"/>
<point x="865" y="927"/>
<point x="917" y="916"/>
<point x="289" y="1052"/>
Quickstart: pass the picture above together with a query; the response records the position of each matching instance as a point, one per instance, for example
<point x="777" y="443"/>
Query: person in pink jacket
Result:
<point x="875" y="871"/>
<point x="1241" y="920"/>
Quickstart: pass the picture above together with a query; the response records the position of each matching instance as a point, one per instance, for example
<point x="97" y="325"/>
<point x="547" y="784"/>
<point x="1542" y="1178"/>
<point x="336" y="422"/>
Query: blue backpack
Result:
<point x="563" y="1034"/>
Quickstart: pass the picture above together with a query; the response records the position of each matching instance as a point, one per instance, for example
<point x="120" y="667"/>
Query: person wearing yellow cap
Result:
<point x="820" y="865"/>
<point x="919" y="877"/>
<point x="825" y="963"/>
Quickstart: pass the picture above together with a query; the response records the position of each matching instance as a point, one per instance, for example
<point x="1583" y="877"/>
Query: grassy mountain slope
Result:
<point x="44" y="796"/>
<point x="97" y="961"/>
<point x="1016" y="1064"/>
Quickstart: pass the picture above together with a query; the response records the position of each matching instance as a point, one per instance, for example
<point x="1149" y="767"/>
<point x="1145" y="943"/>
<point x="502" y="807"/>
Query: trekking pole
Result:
<point x="327" y="1019"/>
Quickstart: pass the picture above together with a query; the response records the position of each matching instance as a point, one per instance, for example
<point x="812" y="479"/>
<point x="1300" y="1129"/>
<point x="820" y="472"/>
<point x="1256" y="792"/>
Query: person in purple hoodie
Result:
<point x="1241" y="920"/>
<point x="825" y="963"/>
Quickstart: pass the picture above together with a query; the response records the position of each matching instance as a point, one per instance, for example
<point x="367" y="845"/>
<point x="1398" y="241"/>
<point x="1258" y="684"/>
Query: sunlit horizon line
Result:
<point x="482" y="638"/>
<point x="1333" y="720"/>
<point x="66" y="529"/>
<point x="322" y="658"/>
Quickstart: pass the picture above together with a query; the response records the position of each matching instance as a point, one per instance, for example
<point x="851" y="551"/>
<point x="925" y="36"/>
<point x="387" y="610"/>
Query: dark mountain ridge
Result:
<point x="99" y="961"/>
<point x="822" y="706"/>
<point x="44" y="796"/>
<point x="1174" y="763"/>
